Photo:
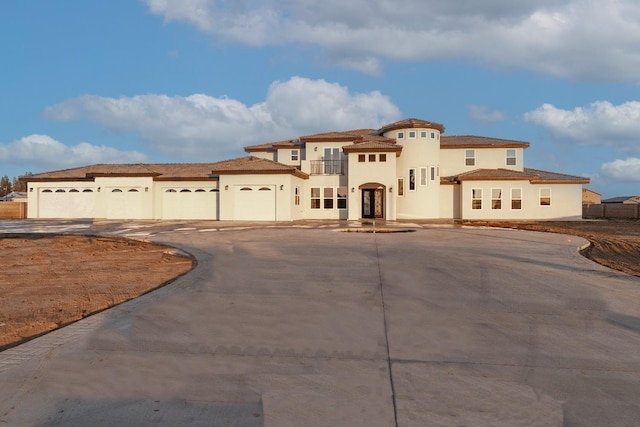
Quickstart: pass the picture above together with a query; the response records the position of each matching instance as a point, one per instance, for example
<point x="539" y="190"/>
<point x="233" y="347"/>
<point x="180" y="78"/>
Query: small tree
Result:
<point x="20" y="185"/>
<point x="5" y="186"/>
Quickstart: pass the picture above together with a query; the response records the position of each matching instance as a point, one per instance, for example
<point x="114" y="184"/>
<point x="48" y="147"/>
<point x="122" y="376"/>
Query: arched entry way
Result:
<point x="373" y="200"/>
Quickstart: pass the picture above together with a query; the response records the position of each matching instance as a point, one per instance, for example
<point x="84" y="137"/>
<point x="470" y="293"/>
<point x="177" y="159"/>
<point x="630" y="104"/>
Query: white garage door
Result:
<point x="66" y="203"/>
<point x="124" y="203"/>
<point x="187" y="203"/>
<point x="255" y="203"/>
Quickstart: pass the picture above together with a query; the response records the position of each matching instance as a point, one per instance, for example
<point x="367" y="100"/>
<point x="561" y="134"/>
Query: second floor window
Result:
<point x="470" y="157"/>
<point x="511" y="157"/>
<point x="295" y="155"/>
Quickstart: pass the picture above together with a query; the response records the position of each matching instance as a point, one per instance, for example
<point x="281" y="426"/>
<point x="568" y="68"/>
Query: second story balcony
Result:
<point x="327" y="167"/>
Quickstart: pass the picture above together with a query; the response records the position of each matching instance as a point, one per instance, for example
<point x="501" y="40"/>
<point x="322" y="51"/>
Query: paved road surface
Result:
<point x="309" y="326"/>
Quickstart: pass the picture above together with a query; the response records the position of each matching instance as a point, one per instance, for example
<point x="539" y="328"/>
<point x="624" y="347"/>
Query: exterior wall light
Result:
<point x="390" y="189"/>
<point x="281" y="187"/>
<point x="226" y="187"/>
<point x="146" y="189"/>
<point x="353" y="189"/>
<point x="98" y="189"/>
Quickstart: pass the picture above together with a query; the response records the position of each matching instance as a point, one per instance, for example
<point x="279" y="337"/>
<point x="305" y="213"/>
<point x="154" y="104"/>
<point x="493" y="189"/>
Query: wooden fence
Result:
<point x="13" y="210"/>
<point x="612" y="210"/>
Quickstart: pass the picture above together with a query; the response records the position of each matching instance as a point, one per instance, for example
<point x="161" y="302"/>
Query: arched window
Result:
<point x="214" y="189"/>
<point x="47" y="191"/>
<point x="73" y="190"/>
<point x="170" y="190"/>
<point x="116" y="190"/>
<point x="246" y="189"/>
<point x="200" y="190"/>
<point x="185" y="190"/>
<point x="133" y="190"/>
<point x="264" y="189"/>
<point x="60" y="190"/>
<point x="87" y="190"/>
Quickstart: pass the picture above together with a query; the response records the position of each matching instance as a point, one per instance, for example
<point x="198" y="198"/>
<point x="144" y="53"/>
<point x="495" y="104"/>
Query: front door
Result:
<point x="373" y="203"/>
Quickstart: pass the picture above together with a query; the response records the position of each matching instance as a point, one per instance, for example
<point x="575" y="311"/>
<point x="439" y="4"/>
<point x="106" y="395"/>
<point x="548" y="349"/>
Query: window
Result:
<point x="476" y="198"/>
<point x="134" y="190"/>
<point x="432" y="173"/>
<point x="200" y="190"/>
<point x="412" y="179"/>
<point x="294" y="155"/>
<point x="361" y="158"/>
<point x="264" y="189"/>
<point x="511" y="157"/>
<point x="516" y="198"/>
<point x="423" y="176"/>
<point x="400" y="187"/>
<point x="423" y="134"/>
<point x="116" y="190"/>
<point x="470" y="157"/>
<point x="383" y="157"/>
<point x="245" y="189"/>
<point x="60" y="190"/>
<point x="170" y="190"/>
<point x="328" y="198"/>
<point x="496" y="198"/>
<point x="87" y="190"/>
<point x="47" y="191"/>
<point x="372" y="157"/>
<point x="342" y="197"/>
<point x="545" y="197"/>
<point x="315" y="198"/>
<point x="400" y="135"/>
<point x="433" y="135"/>
<point x="297" y="196"/>
<point x="412" y="134"/>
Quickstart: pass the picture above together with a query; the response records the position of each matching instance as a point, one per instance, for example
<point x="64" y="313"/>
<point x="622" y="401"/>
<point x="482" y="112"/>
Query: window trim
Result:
<point x="412" y="134"/>
<point x="514" y="158"/>
<point x="372" y="158"/>
<point x="382" y="157"/>
<point x="494" y="199"/>
<point x="295" y="155"/>
<point x="475" y="198"/>
<point x="400" y="135"/>
<point x="513" y="199"/>
<point x="342" y="199"/>
<point x="412" y="179"/>
<point x="362" y="158"/>
<point x="540" y="197"/>
<point x="315" y="198"/>
<point x="470" y="160"/>
<point x="423" y="176"/>
<point x="400" y="182"/>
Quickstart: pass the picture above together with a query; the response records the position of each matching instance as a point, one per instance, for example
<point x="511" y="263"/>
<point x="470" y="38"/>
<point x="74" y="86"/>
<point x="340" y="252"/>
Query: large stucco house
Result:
<point x="404" y="170"/>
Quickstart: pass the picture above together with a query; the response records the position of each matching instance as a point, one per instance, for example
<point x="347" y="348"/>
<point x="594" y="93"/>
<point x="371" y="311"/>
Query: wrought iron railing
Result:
<point x="327" y="167"/>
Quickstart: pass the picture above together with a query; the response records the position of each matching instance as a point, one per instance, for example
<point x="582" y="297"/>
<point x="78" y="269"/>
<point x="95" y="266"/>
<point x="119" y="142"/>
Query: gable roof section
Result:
<point x="249" y="165"/>
<point x="373" y="146"/>
<point x="535" y="176"/>
<point x="470" y="141"/>
<point x="411" y="123"/>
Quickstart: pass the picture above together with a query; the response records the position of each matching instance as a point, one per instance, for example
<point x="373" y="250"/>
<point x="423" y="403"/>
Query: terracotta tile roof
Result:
<point x="411" y="123"/>
<point x="372" y="146"/>
<point x="470" y="141"/>
<point x="347" y="136"/>
<point x="156" y="170"/>
<point x="535" y="176"/>
<point x="254" y="165"/>
<point x="555" y="178"/>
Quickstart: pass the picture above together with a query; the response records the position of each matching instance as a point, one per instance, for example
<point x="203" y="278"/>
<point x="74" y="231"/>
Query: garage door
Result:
<point x="124" y="203"/>
<point x="255" y="202"/>
<point x="187" y="203"/>
<point x="66" y="203"/>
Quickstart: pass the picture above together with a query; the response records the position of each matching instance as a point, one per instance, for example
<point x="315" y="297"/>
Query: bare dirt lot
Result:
<point x="50" y="281"/>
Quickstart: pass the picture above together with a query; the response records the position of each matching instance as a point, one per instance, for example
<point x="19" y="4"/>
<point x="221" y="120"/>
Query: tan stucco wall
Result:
<point x="452" y="160"/>
<point x="566" y="201"/>
<point x="366" y="172"/>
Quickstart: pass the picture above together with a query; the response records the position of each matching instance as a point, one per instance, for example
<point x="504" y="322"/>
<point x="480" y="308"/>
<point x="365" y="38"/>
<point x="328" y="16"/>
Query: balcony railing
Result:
<point x="327" y="167"/>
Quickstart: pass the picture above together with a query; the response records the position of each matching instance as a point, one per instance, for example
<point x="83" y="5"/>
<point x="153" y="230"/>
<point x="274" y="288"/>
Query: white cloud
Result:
<point x="627" y="170"/>
<point x="482" y="113"/>
<point x="47" y="153"/>
<point x="575" y="39"/>
<point x="200" y="127"/>
<point x="599" y="123"/>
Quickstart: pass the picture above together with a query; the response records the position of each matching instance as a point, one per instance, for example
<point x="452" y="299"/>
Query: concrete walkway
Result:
<point x="309" y="326"/>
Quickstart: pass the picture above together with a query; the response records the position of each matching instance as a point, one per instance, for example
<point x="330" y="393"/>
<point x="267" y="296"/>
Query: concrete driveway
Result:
<point x="316" y="327"/>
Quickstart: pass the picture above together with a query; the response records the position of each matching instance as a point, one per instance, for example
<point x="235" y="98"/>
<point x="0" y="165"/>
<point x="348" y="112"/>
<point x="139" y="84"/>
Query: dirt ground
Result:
<point x="50" y="281"/>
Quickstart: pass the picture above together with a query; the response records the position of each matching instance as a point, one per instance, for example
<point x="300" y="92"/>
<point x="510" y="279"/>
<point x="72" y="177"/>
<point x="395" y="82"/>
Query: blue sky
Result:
<point x="129" y="81"/>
